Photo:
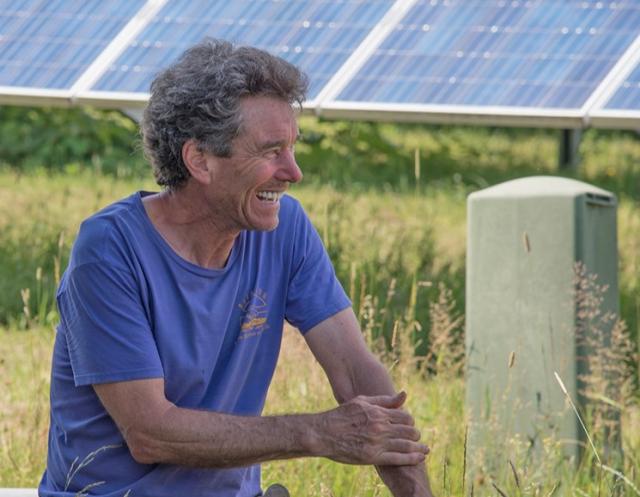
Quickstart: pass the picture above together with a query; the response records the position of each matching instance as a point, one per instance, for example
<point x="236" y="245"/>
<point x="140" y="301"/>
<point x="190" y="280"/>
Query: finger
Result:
<point x="398" y="399"/>
<point x="399" y="416"/>
<point x="404" y="432"/>
<point x="388" y="401"/>
<point x="400" y="459"/>
<point x="406" y="447"/>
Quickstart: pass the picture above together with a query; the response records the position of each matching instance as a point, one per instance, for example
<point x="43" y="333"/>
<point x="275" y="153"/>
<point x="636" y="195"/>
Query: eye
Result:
<point x="272" y="153"/>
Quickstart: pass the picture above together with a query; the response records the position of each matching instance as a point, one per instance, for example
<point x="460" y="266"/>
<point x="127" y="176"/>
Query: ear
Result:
<point x="196" y="161"/>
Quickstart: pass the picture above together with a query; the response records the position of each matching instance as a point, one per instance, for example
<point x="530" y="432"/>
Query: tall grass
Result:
<point x="436" y="400"/>
<point x="543" y="461"/>
<point x="396" y="234"/>
<point x="373" y="239"/>
<point x="25" y="359"/>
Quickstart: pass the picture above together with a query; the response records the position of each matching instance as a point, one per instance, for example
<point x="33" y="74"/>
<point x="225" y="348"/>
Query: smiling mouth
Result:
<point x="267" y="196"/>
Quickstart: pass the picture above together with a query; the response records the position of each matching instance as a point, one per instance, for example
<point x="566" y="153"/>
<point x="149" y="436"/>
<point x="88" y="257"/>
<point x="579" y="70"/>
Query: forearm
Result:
<point x="369" y="377"/>
<point x="210" y="439"/>
<point x="406" y="481"/>
<point x="364" y="430"/>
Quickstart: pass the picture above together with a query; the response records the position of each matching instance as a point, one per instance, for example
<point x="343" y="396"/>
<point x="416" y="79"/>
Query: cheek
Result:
<point x="262" y="174"/>
<point x="252" y="175"/>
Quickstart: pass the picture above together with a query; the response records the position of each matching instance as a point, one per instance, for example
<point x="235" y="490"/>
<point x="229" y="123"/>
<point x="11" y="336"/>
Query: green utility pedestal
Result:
<point x="525" y="238"/>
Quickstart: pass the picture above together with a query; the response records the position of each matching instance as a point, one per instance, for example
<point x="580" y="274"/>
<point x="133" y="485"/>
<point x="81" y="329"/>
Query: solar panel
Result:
<point x="627" y="96"/>
<point x="49" y="44"/>
<point x="508" y="62"/>
<point x="318" y="36"/>
<point x="543" y="54"/>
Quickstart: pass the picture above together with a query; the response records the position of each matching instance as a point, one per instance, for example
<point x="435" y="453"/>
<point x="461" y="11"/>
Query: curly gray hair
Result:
<point x="198" y="98"/>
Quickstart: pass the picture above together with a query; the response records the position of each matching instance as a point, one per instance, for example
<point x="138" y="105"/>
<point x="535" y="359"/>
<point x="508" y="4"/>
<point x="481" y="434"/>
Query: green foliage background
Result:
<point x="68" y="140"/>
<point x="395" y="232"/>
<point x="356" y="173"/>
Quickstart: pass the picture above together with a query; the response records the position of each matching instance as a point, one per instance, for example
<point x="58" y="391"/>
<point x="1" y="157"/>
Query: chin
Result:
<point x="273" y="225"/>
<point x="267" y="226"/>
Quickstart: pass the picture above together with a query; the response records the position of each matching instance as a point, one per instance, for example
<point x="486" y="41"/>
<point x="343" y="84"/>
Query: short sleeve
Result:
<point x="106" y="328"/>
<point x="314" y="292"/>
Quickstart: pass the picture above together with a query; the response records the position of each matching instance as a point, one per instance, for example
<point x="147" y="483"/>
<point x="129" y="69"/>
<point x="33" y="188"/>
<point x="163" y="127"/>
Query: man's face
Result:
<point x="246" y="188"/>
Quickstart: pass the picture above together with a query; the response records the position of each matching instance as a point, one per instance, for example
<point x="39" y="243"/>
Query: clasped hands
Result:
<point x="373" y="430"/>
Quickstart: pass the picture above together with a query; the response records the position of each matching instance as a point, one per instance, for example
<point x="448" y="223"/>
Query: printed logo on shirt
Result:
<point x="254" y="321"/>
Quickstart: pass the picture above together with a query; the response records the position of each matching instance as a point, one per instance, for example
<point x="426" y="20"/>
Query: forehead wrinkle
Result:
<point x="252" y="129"/>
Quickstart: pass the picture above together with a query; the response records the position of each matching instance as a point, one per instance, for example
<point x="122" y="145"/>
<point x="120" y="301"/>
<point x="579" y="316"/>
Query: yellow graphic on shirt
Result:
<point x="254" y="307"/>
<point x="254" y="323"/>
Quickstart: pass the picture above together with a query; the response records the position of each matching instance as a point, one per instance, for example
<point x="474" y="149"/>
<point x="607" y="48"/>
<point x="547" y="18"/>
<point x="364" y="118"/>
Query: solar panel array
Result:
<point x="404" y="59"/>
<point x="318" y="36"/>
<point x="51" y="44"/>
<point x="513" y="54"/>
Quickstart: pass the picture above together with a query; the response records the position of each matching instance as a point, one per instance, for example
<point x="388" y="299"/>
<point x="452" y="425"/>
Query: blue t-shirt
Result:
<point x="131" y="308"/>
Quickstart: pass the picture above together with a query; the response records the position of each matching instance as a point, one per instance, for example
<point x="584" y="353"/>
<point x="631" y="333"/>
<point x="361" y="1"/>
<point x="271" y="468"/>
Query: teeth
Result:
<point x="270" y="196"/>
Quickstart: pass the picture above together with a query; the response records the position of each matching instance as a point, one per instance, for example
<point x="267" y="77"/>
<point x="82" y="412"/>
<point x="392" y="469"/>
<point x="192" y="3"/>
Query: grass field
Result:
<point x="398" y="245"/>
<point x="299" y="386"/>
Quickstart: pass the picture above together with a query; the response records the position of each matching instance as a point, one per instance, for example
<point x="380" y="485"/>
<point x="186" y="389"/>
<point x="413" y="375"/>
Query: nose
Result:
<point x="290" y="171"/>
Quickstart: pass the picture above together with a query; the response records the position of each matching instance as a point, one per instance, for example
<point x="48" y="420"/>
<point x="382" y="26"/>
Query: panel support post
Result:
<point x="569" y="148"/>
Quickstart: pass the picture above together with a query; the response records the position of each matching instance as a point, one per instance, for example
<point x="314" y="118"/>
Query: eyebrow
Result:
<point x="277" y="143"/>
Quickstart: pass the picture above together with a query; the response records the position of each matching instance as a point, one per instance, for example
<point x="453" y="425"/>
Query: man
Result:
<point x="173" y="304"/>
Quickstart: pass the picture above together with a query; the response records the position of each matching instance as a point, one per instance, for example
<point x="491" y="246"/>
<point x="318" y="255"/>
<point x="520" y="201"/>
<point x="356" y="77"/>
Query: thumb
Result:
<point x="389" y="401"/>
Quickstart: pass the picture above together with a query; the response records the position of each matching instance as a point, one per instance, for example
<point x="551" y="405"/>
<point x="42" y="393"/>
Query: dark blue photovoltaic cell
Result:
<point x="627" y="96"/>
<point x="317" y="36"/>
<point x="539" y="53"/>
<point x="49" y="44"/>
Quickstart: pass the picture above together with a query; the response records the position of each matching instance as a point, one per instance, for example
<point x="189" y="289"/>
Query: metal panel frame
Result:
<point x="454" y="114"/>
<point x="22" y="95"/>
<point x="615" y="119"/>
<point x="133" y="100"/>
<point x="597" y="115"/>
<point x="111" y="99"/>
<point x="610" y="84"/>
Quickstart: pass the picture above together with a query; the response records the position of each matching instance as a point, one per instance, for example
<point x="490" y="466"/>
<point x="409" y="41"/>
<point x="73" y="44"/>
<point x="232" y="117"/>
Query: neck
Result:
<point x="182" y="219"/>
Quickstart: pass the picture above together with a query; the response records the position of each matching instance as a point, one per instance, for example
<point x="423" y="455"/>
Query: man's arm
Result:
<point x="365" y="430"/>
<point x="352" y="370"/>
